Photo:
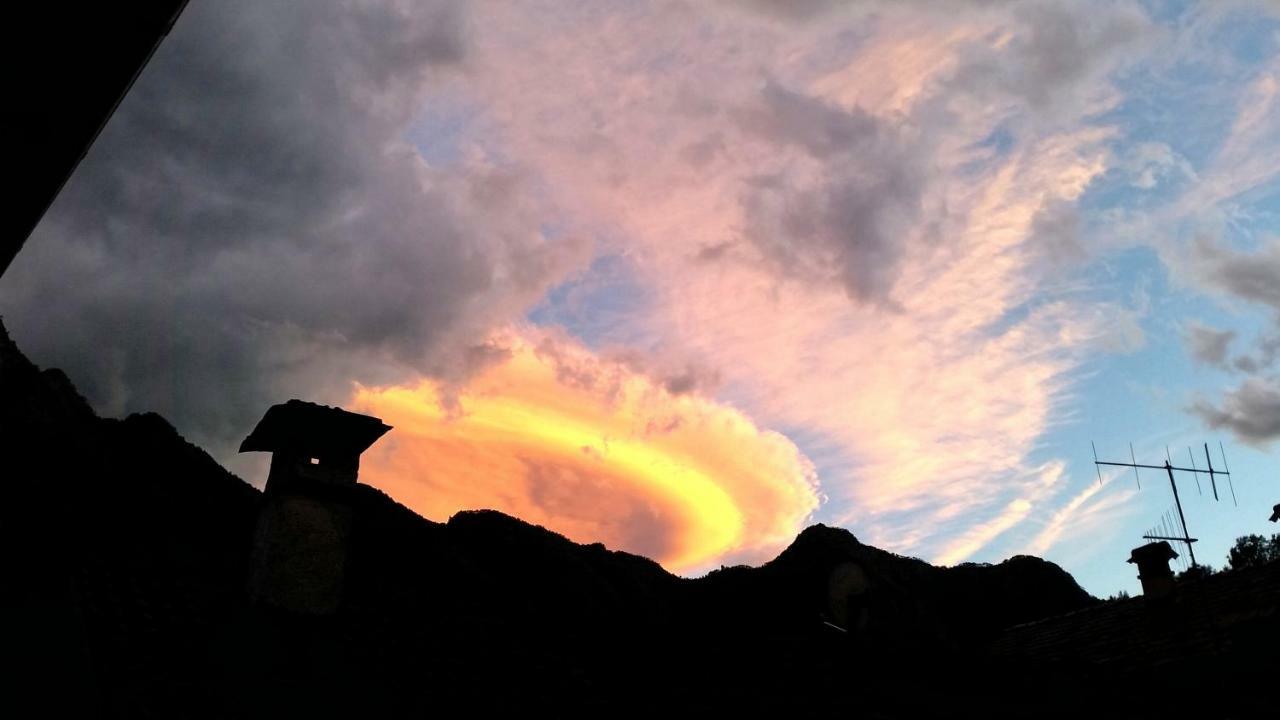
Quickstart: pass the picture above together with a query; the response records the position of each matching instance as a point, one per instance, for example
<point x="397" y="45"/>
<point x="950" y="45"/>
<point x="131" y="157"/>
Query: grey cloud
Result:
<point x="1207" y="345"/>
<point x="604" y="375"/>
<point x="713" y="252"/>
<point x="584" y="373"/>
<point x="1246" y="364"/>
<point x="806" y="10"/>
<point x="1266" y="351"/>
<point x="1251" y="412"/>
<point x="850" y="226"/>
<point x="1251" y="276"/>
<point x="854" y="223"/>
<point x="252" y="224"/>
<point x="1055" y="233"/>
<point x="702" y="153"/>
<point x="677" y="372"/>
<point x="1057" y="54"/>
<point x="687" y="380"/>
<point x="793" y="9"/>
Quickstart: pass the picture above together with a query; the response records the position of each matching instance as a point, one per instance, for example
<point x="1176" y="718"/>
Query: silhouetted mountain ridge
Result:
<point x="128" y="549"/>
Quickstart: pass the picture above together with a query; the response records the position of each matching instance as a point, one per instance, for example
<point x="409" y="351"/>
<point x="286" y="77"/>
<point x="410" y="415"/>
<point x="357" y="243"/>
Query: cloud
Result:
<point x="1251" y="276"/>
<point x="1056" y="228"/>
<point x="587" y="447"/>
<point x="1246" y="364"/>
<point x="1251" y="411"/>
<point x="1241" y="163"/>
<point x="252" y="224"/>
<point x="1150" y="163"/>
<point x="1058" y="522"/>
<point x="831" y="225"/>
<point x="1233" y="260"/>
<point x="1263" y="358"/>
<point x="845" y="218"/>
<point x="854" y="260"/>
<point x="975" y="537"/>
<point x="678" y="375"/>
<point x="792" y="9"/>
<point x="1085" y="515"/>
<point x="1207" y="345"/>
<point x="1054" y="57"/>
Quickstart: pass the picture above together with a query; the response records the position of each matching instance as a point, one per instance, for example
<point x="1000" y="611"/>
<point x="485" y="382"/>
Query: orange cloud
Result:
<point x="595" y="451"/>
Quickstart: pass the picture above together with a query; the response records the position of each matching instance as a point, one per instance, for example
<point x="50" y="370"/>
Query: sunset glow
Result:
<point x="594" y="451"/>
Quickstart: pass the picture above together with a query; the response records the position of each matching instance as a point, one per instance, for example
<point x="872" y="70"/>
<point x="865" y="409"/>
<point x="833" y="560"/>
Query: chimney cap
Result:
<point x="1153" y="552"/>
<point x="313" y="429"/>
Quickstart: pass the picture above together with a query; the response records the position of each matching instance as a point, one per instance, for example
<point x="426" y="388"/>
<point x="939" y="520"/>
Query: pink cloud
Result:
<point x="818" y="224"/>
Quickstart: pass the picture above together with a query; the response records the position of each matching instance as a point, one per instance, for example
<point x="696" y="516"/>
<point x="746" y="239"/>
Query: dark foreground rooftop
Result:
<point x="1230" y="617"/>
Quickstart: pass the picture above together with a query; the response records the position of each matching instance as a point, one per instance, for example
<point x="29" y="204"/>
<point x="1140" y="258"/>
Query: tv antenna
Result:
<point x="1169" y="468"/>
<point x="1167" y="530"/>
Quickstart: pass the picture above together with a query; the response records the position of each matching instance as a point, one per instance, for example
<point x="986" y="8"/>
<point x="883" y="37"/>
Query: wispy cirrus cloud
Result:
<point x="859" y="271"/>
<point x="1235" y="266"/>
<point x="1084" y="515"/>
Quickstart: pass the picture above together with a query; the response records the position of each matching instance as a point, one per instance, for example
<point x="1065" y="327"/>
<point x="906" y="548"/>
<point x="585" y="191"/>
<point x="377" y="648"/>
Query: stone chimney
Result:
<point x="1152" y="560"/>
<point x="300" y="545"/>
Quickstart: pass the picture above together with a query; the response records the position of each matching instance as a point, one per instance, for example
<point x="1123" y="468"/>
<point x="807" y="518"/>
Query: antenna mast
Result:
<point x="1169" y="467"/>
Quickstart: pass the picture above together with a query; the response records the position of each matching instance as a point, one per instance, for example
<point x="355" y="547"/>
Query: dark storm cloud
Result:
<point x="251" y="225"/>
<point x="1207" y="345"/>
<point x="850" y="225"/>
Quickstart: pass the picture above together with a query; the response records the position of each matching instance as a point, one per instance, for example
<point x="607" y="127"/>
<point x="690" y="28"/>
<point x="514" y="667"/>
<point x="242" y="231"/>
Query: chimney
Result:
<point x="1152" y="560"/>
<point x="300" y="545"/>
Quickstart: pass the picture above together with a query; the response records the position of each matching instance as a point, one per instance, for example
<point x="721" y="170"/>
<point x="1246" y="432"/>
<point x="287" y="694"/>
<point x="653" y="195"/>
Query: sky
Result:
<point x="686" y="277"/>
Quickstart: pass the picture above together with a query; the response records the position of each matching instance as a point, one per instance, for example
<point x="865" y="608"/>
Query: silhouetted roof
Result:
<point x="315" y="429"/>
<point x="66" y="67"/>
<point x="1233" y="614"/>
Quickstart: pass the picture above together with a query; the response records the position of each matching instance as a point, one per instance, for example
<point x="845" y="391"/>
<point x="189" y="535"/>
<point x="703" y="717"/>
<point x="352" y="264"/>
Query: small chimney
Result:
<point x="1152" y="560"/>
<point x="300" y="545"/>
